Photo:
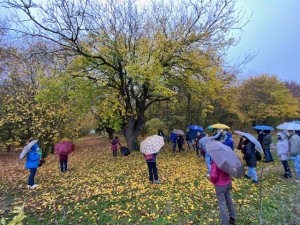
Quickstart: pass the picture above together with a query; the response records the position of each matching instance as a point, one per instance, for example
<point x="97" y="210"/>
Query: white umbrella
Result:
<point x="289" y="126"/>
<point x="251" y="138"/>
<point x="27" y="148"/>
<point x="152" y="144"/>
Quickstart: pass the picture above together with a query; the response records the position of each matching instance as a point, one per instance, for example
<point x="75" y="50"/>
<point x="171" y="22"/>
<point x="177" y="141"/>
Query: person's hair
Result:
<point x="116" y="137"/>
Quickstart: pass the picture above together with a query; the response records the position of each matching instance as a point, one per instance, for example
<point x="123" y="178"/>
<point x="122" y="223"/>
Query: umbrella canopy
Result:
<point x="196" y="128"/>
<point x="151" y="144"/>
<point x="263" y="127"/>
<point x="178" y="132"/>
<point x="251" y="138"/>
<point x="27" y="148"/>
<point x="219" y="126"/>
<point x="124" y="151"/>
<point x="289" y="126"/>
<point x="225" y="158"/>
<point x="64" y="148"/>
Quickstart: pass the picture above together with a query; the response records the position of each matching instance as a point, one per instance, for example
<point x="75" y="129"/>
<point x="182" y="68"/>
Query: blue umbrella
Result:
<point x="196" y="128"/>
<point x="263" y="127"/>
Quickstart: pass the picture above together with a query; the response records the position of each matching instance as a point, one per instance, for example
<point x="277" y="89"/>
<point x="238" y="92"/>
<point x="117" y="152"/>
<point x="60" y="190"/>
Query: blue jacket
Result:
<point x="229" y="141"/>
<point x="32" y="160"/>
<point x="173" y="137"/>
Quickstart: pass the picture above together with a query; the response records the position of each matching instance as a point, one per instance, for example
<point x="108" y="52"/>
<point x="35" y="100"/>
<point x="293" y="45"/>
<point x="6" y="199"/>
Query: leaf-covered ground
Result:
<point x="100" y="189"/>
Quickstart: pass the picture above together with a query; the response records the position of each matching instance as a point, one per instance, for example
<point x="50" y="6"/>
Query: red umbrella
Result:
<point x="64" y="148"/>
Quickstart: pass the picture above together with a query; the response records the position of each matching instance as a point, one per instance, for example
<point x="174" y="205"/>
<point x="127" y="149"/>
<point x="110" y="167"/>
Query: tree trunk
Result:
<point x="131" y="131"/>
<point x="110" y="132"/>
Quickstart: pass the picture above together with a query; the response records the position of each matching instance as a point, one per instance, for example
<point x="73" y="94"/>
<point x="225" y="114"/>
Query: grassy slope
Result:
<point x="100" y="189"/>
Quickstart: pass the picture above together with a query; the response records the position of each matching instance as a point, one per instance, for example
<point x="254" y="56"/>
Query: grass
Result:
<point x="100" y="189"/>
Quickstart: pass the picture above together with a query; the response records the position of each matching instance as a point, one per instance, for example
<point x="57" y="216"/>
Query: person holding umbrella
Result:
<point x="150" y="147"/>
<point x="248" y="149"/>
<point x="32" y="162"/>
<point x="63" y="149"/>
<point x="294" y="146"/>
<point x="283" y="153"/>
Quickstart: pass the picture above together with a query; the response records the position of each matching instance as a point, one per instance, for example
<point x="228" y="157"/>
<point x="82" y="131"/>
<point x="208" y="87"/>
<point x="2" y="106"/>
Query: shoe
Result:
<point x="157" y="182"/>
<point x="287" y="176"/>
<point x="254" y="181"/>
<point x="231" y="221"/>
<point x="34" y="186"/>
<point x="247" y="177"/>
<point x="266" y="161"/>
<point x="150" y="181"/>
<point x="28" y="186"/>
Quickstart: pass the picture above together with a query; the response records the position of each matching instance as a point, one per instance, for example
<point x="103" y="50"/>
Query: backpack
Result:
<point x="258" y="155"/>
<point x="114" y="141"/>
<point x="148" y="157"/>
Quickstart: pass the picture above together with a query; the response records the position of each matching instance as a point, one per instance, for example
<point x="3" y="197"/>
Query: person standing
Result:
<point x="173" y="138"/>
<point x="294" y="147"/>
<point x="197" y="140"/>
<point x="32" y="162"/>
<point x="228" y="141"/>
<point x="180" y="142"/>
<point x="248" y="150"/>
<point x="63" y="161"/>
<point x="152" y="169"/>
<point x="266" y="142"/>
<point x="223" y="186"/>
<point x="114" y="145"/>
<point x="189" y="139"/>
<point x="283" y="153"/>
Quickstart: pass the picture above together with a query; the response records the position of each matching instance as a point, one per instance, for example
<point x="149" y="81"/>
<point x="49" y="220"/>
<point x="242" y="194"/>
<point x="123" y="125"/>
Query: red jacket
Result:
<point x="218" y="177"/>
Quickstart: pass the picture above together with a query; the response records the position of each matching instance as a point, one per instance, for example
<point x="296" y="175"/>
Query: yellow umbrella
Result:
<point x="219" y="126"/>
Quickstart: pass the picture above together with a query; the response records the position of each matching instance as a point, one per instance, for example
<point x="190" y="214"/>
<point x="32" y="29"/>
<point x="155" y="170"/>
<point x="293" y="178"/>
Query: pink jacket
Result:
<point x="218" y="177"/>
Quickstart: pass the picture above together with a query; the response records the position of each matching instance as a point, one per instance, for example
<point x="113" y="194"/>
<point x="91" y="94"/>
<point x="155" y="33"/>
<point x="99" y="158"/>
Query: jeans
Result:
<point x="296" y="161"/>
<point x="268" y="155"/>
<point x="225" y="200"/>
<point x="252" y="173"/>
<point x="190" y="144"/>
<point x="286" y="167"/>
<point x="173" y="146"/>
<point x="63" y="165"/>
<point x="31" y="176"/>
<point x="207" y="162"/>
<point x="114" y="152"/>
<point x="152" y="169"/>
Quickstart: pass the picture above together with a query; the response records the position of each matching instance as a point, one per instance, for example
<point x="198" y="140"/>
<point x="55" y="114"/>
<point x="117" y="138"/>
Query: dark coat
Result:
<point x="249" y="154"/>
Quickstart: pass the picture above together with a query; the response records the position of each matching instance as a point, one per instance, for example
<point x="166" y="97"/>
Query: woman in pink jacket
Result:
<point x="222" y="183"/>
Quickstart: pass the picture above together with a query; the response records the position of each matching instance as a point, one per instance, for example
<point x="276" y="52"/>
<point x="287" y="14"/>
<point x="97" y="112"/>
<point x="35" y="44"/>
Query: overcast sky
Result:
<point x="274" y="34"/>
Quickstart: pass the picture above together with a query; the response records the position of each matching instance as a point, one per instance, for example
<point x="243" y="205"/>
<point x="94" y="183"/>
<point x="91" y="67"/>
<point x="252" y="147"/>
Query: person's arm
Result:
<point x="34" y="156"/>
<point x="215" y="137"/>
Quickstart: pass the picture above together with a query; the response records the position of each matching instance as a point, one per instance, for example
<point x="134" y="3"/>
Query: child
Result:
<point x="114" y="145"/>
<point x="32" y="162"/>
<point x="222" y="183"/>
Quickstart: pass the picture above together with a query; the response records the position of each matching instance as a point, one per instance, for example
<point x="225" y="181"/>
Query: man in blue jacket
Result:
<point x="173" y="138"/>
<point x="32" y="162"/>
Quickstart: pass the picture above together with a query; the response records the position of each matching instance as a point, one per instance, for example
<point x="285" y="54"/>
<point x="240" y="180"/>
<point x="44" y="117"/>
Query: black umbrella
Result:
<point x="225" y="158"/>
<point x="124" y="151"/>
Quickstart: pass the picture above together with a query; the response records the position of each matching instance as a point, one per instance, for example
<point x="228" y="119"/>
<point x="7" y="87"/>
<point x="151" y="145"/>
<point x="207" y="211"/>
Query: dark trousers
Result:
<point x="114" y="152"/>
<point x="63" y="165"/>
<point x="31" y="176"/>
<point x="225" y="200"/>
<point x="152" y="169"/>
<point x="286" y="167"/>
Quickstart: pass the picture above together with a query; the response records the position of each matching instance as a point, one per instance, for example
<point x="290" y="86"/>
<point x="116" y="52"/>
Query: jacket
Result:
<point x="249" y="154"/>
<point x="294" y="145"/>
<point x="173" y="137"/>
<point x="218" y="177"/>
<point x="283" y="147"/>
<point x="32" y="160"/>
<point x="267" y="140"/>
<point x="229" y="141"/>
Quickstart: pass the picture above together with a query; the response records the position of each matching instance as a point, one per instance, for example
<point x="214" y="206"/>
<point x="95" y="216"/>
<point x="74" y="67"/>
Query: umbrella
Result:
<point x="219" y="126"/>
<point x="152" y="144"/>
<point x="64" y="147"/>
<point x="263" y="127"/>
<point x="226" y="159"/>
<point x="195" y="127"/>
<point x="289" y="126"/>
<point x="27" y="148"/>
<point x="251" y="138"/>
<point x="178" y="132"/>
<point x="124" y="151"/>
